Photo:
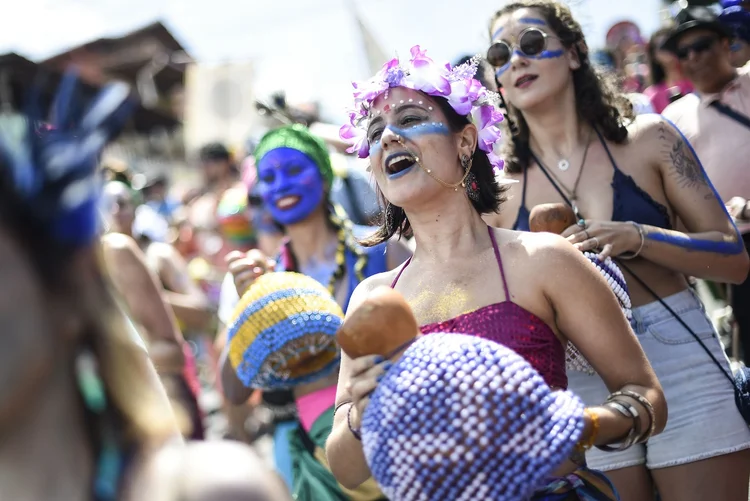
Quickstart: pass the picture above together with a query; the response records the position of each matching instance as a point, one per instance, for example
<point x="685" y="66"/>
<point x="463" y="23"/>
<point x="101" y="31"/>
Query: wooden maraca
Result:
<point x="378" y="326"/>
<point x="552" y="218"/>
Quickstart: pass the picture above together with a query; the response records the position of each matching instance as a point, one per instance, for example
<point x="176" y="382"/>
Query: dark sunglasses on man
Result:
<point x="699" y="46"/>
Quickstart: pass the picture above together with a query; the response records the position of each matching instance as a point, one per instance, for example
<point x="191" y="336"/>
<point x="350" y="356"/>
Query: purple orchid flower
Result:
<point x="485" y="117"/>
<point x="496" y="162"/>
<point x="367" y="91"/>
<point x="393" y="74"/>
<point x="426" y="75"/>
<point x="357" y="137"/>
<point x="463" y="94"/>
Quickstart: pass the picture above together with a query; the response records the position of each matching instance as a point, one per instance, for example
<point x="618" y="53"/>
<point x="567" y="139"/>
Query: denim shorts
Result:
<point x="703" y="419"/>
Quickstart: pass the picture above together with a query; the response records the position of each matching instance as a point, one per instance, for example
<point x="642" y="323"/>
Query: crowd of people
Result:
<point x="470" y="318"/>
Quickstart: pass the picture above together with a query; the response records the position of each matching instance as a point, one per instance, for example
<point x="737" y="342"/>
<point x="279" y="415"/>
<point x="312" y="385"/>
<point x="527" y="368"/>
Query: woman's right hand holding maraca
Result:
<point x="246" y="267"/>
<point x="365" y="374"/>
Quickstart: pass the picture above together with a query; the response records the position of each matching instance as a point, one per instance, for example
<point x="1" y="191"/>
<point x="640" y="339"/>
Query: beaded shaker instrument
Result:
<point x="282" y="332"/>
<point x="555" y="218"/>
<point x="461" y="417"/>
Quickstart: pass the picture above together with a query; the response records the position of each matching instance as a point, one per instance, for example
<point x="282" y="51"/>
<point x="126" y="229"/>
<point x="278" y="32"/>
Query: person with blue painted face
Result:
<point x="294" y="181"/>
<point x="642" y="197"/>
<point x="736" y="18"/>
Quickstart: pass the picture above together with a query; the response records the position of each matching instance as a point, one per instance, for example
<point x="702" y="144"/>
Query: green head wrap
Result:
<point x="297" y="137"/>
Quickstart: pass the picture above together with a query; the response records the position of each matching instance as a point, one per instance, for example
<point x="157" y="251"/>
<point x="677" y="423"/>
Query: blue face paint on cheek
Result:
<point x="412" y="133"/>
<point x="550" y="54"/>
<point x="423" y="129"/>
<point x="291" y="185"/>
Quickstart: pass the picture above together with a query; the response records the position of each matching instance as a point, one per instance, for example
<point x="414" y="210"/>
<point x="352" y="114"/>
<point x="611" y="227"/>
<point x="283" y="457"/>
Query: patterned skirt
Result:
<point x="581" y="485"/>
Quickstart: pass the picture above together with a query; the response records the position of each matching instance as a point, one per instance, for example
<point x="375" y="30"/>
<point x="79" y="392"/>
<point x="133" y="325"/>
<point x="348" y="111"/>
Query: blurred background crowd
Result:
<point x="213" y="77"/>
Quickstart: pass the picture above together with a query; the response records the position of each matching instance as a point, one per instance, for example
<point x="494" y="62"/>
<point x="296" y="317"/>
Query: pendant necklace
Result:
<point x="564" y="165"/>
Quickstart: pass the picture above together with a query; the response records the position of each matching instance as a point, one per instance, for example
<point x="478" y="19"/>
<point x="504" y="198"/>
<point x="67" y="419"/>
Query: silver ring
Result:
<point x="585" y="232"/>
<point x="597" y="246"/>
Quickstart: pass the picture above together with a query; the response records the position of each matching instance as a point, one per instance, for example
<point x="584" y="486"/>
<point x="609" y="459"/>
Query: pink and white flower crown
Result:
<point x="464" y="93"/>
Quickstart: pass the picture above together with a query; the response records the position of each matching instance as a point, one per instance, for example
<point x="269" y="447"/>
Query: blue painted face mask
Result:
<point x="290" y="184"/>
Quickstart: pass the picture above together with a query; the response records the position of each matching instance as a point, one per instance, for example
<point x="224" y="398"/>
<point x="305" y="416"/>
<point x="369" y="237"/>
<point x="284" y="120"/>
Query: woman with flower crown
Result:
<point x="430" y="131"/>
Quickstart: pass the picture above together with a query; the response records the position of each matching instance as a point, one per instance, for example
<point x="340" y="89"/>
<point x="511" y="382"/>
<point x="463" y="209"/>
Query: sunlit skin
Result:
<point x="422" y="127"/>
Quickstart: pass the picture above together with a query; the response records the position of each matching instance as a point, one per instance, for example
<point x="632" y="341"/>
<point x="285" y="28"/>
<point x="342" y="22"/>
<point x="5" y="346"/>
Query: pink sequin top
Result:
<point x="512" y="326"/>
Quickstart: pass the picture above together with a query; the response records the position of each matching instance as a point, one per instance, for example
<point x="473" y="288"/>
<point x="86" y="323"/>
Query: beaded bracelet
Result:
<point x="356" y="433"/>
<point x="633" y="255"/>
<point x="339" y="406"/>
<point x="646" y="405"/>
<point x="584" y="445"/>
<point x="627" y="410"/>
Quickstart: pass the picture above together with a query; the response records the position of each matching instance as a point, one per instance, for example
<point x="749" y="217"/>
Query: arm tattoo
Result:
<point x="689" y="171"/>
<point x="684" y="165"/>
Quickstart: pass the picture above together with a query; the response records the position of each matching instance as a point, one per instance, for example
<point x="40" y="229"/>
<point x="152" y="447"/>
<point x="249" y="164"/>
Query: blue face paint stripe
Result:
<point x="550" y="54"/>
<point x="434" y="128"/>
<point x="496" y="34"/>
<point x="533" y="20"/>
<point x="723" y="247"/>
<point x="695" y="244"/>
<point x="547" y="54"/>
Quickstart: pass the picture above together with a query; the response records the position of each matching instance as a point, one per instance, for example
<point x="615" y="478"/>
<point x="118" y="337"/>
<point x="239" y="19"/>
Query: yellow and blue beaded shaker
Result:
<point x="282" y="332"/>
<point x="461" y="417"/>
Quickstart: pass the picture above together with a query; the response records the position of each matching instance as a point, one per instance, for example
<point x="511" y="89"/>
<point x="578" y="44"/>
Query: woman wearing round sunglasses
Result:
<point x="630" y="180"/>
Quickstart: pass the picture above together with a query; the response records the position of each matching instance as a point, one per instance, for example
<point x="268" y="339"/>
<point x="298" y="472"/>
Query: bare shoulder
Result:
<point x="647" y="128"/>
<point x="550" y="255"/>
<point x="375" y="281"/>
<point x="118" y="242"/>
<point x="208" y="471"/>
<point x="161" y="250"/>
<point x="121" y="251"/>
<point x="368" y="285"/>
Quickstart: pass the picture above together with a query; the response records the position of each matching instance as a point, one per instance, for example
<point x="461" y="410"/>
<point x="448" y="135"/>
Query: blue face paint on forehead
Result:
<point x="533" y="20"/>
<point x="525" y="20"/>
<point x="290" y="184"/>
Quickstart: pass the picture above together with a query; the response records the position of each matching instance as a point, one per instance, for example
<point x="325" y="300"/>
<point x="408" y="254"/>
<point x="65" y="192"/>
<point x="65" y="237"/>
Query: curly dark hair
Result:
<point x="598" y="99"/>
<point x="393" y="221"/>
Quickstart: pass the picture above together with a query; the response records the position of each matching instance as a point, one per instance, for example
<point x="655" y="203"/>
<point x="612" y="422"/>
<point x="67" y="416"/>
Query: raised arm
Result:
<point x="188" y="301"/>
<point x="592" y="320"/>
<point x="141" y="293"/>
<point x="711" y="246"/>
<point x="357" y="379"/>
